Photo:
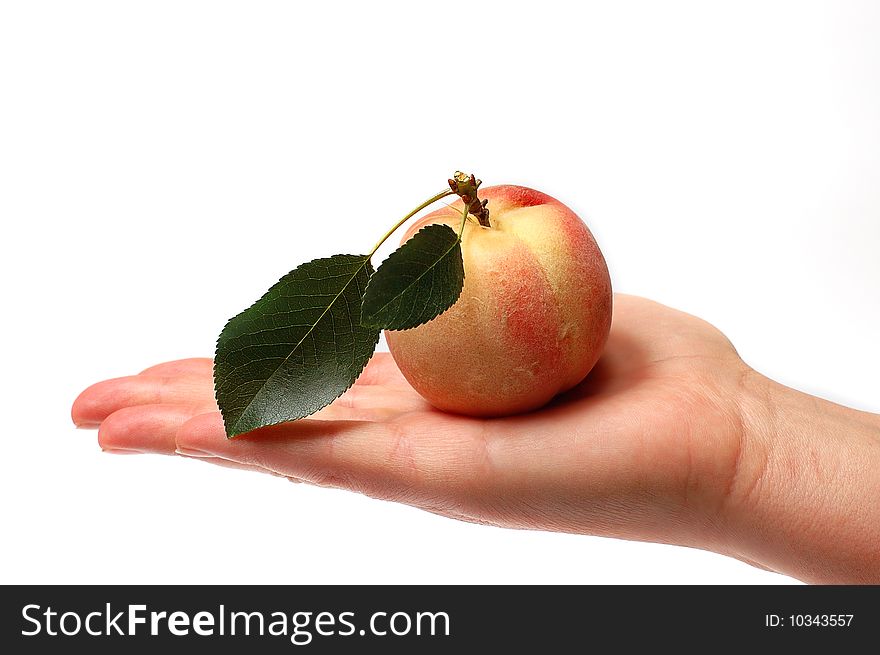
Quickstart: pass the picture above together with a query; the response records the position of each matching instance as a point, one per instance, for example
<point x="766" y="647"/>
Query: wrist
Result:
<point x="800" y="498"/>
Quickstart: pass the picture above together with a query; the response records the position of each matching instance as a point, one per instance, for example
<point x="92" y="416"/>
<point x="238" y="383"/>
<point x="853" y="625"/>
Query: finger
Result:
<point x="152" y="428"/>
<point x="374" y="403"/>
<point x="192" y="366"/>
<point x="102" y="399"/>
<point x="382" y="370"/>
<point x="146" y="428"/>
<point x="225" y="463"/>
<point x="189" y="381"/>
<point x="369" y="404"/>
<point x="380" y="459"/>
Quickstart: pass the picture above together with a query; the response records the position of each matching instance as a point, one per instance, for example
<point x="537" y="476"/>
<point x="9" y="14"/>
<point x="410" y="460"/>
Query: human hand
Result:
<point x="666" y="440"/>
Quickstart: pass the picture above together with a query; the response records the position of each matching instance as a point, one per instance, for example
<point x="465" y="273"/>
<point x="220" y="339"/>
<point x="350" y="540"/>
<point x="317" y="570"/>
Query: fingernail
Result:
<point x="189" y="452"/>
<point x="121" y="451"/>
<point x="87" y="425"/>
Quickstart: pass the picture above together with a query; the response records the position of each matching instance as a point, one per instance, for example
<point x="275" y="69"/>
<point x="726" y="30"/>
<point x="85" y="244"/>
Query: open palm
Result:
<point x="645" y="448"/>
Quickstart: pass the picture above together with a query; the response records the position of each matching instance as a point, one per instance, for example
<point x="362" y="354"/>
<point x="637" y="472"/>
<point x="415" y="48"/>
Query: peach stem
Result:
<point x="429" y="201"/>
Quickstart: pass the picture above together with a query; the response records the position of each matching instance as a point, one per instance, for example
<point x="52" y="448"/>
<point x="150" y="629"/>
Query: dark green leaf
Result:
<point x="418" y="282"/>
<point x="296" y="349"/>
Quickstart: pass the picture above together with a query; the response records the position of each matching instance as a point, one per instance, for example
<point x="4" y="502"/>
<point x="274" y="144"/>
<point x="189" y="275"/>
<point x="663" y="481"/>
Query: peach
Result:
<point x="533" y="316"/>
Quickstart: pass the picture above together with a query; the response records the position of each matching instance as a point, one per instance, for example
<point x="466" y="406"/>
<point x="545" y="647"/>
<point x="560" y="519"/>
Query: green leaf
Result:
<point x="418" y="282"/>
<point x="298" y="348"/>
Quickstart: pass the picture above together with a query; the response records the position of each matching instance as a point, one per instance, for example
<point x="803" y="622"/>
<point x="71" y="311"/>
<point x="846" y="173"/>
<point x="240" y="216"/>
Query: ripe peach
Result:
<point x="533" y="316"/>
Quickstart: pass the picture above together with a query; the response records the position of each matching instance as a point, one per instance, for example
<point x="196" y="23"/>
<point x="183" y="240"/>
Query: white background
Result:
<point x="162" y="163"/>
